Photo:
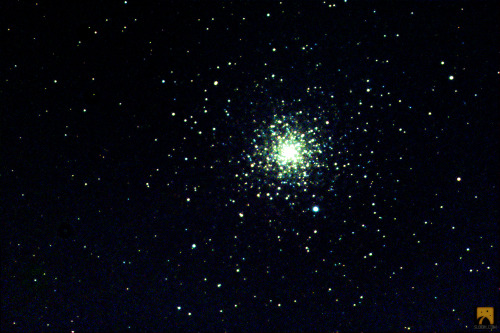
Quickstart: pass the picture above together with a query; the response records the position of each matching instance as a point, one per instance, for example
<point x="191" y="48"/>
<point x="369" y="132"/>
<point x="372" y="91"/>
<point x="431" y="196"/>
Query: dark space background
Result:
<point x="129" y="200"/>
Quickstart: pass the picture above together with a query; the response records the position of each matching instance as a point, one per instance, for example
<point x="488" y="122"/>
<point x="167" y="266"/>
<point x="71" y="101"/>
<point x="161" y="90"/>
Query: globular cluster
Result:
<point x="297" y="149"/>
<point x="286" y="154"/>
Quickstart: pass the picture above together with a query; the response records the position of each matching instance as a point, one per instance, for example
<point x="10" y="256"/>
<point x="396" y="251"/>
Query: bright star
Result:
<point x="315" y="209"/>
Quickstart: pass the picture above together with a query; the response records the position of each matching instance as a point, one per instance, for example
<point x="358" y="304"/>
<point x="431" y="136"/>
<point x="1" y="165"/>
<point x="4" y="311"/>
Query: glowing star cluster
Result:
<point x="297" y="149"/>
<point x="285" y="154"/>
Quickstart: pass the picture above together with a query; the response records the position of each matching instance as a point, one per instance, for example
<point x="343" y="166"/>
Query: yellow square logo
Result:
<point x="485" y="315"/>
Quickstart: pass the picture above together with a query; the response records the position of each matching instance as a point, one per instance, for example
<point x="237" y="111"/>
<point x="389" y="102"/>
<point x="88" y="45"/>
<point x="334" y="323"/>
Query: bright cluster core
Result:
<point x="289" y="153"/>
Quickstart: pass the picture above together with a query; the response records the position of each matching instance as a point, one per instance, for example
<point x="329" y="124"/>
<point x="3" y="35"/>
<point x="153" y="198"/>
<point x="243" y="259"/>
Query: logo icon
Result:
<point x="485" y="316"/>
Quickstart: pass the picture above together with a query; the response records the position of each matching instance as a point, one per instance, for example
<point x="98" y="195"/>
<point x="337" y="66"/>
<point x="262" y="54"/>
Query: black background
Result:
<point x="87" y="120"/>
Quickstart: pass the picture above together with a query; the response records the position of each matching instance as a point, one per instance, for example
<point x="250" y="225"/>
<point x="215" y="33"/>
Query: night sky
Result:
<point x="249" y="165"/>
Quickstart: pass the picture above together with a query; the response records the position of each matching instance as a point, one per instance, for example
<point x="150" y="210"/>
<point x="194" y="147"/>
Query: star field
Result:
<point x="249" y="166"/>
